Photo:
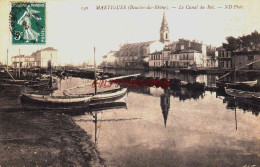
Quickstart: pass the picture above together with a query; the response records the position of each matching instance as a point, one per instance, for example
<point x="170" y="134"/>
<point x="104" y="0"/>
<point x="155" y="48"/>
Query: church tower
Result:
<point x="164" y="31"/>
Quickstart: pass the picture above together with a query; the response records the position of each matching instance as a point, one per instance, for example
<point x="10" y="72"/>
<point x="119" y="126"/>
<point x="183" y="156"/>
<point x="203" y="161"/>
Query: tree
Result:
<point x="244" y="43"/>
<point x="232" y="44"/>
<point x="255" y="37"/>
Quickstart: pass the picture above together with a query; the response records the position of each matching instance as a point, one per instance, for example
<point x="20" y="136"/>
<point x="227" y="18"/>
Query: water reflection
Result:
<point x="185" y="94"/>
<point x="95" y="113"/>
<point x="165" y="104"/>
<point x="158" y="129"/>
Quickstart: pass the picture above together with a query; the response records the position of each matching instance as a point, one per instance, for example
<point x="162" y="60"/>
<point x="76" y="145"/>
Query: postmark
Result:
<point x="28" y="23"/>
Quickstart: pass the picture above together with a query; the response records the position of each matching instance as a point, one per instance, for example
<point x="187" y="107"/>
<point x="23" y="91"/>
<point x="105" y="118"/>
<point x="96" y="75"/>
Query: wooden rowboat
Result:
<point x="56" y="101"/>
<point x="80" y="100"/>
<point x="108" y="96"/>
<point x="247" y="83"/>
<point x="240" y="93"/>
<point x="120" y="103"/>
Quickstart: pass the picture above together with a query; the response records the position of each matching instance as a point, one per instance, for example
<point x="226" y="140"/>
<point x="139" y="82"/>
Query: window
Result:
<point x="225" y="54"/>
<point x="229" y="54"/>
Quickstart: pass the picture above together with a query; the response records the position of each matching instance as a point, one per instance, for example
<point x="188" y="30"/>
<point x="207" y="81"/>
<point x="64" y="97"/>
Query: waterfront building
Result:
<point x="230" y="60"/>
<point x="207" y="52"/>
<point x="224" y="58"/>
<point x="135" y="54"/>
<point x="45" y="57"/>
<point x="41" y="58"/>
<point x="155" y="59"/>
<point x="211" y="58"/>
<point x="186" y="59"/>
<point x="174" y="59"/>
<point x="23" y="61"/>
<point x="160" y="58"/>
<point x="240" y="59"/>
<point x="166" y="57"/>
<point x="109" y="60"/>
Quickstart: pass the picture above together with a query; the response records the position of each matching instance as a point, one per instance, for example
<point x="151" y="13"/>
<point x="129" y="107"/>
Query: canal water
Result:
<point x="172" y="127"/>
<point x="166" y="127"/>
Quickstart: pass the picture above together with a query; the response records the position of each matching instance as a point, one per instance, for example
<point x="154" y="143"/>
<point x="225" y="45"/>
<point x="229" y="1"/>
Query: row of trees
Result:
<point x="250" y="42"/>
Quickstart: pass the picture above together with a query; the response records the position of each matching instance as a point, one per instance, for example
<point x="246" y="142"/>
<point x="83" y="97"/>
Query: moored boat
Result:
<point x="108" y="96"/>
<point x="120" y="103"/>
<point x="241" y="93"/>
<point x="56" y="101"/>
<point x="248" y="83"/>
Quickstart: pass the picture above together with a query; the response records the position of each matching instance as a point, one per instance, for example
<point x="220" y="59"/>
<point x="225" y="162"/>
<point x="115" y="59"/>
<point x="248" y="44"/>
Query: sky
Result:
<point x="75" y="32"/>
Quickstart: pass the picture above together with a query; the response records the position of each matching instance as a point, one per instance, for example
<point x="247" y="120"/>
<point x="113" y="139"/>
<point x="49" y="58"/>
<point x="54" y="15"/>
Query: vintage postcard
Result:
<point x="130" y="83"/>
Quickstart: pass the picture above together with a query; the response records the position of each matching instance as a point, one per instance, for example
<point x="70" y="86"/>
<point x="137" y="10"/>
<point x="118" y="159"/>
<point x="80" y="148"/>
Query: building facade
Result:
<point x="23" y="61"/>
<point x="242" y="59"/>
<point x="186" y="59"/>
<point x="135" y="53"/>
<point x="155" y="59"/>
<point x="231" y="60"/>
<point x="109" y="60"/>
<point x="206" y="52"/>
<point x="225" y="59"/>
<point x="45" y="57"/>
<point x="41" y="58"/>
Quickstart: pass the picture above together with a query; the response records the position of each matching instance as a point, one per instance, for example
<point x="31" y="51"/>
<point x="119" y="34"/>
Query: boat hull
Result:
<point x="240" y="93"/>
<point x="48" y="101"/>
<point x="108" y="97"/>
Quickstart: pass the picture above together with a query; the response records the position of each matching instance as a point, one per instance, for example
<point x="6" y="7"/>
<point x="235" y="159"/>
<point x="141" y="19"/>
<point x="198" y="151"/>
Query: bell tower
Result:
<point x="164" y="31"/>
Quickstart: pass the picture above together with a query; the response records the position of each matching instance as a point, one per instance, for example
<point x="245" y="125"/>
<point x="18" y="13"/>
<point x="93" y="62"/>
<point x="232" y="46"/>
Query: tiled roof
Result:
<point x="46" y="49"/>
<point x="220" y="48"/>
<point x="22" y="56"/>
<point x="49" y="48"/>
<point x="186" y="51"/>
<point x="133" y="45"/>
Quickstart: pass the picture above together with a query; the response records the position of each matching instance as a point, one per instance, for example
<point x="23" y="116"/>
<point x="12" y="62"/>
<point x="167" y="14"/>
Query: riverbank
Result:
<point x="37" y="138"/>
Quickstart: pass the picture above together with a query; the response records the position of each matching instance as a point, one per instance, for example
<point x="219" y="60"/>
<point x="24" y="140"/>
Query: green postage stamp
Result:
<point x="27" y="23"/>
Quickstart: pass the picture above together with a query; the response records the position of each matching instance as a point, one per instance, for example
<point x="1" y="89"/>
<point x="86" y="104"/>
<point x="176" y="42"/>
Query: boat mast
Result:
<point x="6" y="69"/>
<point x="236" y="113"/>
<point x="95" y="70"/>
<point x="95" y="93"/>
<point x="7" y="60"/>
<point x="95" y="128"/>
<point x="235" y="68"/>
<point x="19" y="64"/>
<point x="51" y="72"/>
